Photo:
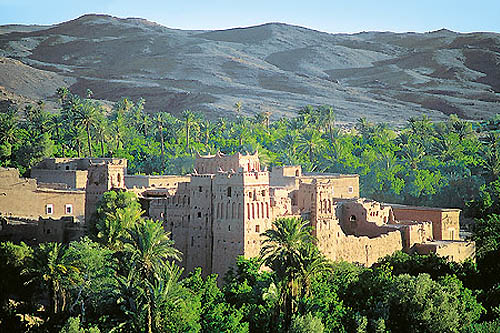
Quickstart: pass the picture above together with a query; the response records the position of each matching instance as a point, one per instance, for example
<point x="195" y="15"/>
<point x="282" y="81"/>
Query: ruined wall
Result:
<point x="285" y="176"/>
<point x="75" y="179"/>
<point x="336" y="245"/>
<point x="102" y="177"/>
<point x="20" y="197"/>
<point x="415" y="233"/>
<point x="211" y="164"/>
<point x="454" y="250"/>
<point x="364" y="217"/>
<point x="143" y="181"/>
<point x="445" y="222"/>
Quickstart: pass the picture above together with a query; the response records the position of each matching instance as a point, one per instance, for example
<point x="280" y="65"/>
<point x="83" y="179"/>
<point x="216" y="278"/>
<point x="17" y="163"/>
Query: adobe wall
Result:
<point x="211" y="164"/>
<point x="75" y="179"/>
<point x="344" y="186"/>
<point x="103" y="177"/>
<point x="445" y="222"/>
<point x="20" y="197"/>
<point x="454" y="250"/>
<point x="58" y="163"/>
<point x="336" y="245"/>
<point x="364" y="217"/>
<point x="146" y="181"/>
<point x="228" y="221"/>
<point x="415" y="233"/>
<point x="177" y="217"/>
<point x="285" y="176"/>
<point x="199" y="246"/>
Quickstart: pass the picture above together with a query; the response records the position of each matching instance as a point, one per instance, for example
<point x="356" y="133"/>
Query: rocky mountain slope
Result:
<point x="272" y="67"/>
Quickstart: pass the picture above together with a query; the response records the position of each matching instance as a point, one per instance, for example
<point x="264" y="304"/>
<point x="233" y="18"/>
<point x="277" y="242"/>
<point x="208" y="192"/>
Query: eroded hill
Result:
<point x="272" y="67"/>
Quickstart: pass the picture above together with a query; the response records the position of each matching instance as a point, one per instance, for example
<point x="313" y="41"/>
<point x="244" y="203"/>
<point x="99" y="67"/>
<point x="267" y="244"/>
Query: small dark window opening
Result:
<point x="200" y="189"/>
<point x="257" y="228"/>
<point x="229" y="191"/>
<point x="67" y="167"/>
<point x="199" y="214"/>
<point x="352" y="218"/>
<point x="229" y="227"/>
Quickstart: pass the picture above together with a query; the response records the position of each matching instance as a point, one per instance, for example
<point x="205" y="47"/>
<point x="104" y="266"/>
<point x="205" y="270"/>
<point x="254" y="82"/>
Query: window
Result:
<point x="229" y="191"/>
<point x="350" y="189"/>
<point x="257" y="228"/>
<point x="199" y="214"/>
<point x="68" y="208"/>
<point x="49" y="209"/>
<point x="200" y="189"/>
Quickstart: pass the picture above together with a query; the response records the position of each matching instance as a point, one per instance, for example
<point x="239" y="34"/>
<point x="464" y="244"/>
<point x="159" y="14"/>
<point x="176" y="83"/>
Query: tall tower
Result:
<point x="103" y="176"/>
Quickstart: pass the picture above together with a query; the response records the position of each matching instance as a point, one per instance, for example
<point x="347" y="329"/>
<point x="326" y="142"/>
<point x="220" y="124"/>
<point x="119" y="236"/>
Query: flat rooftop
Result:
<point x="409" y="207"/>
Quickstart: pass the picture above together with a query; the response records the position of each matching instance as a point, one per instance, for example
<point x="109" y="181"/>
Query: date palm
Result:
<point x="281" y="251"/>
<point x="160" y="123"/>
<point x="190" y="121"/>
<point x="86" y="116"/>
<point x="150" y="249"/>
<point x="309" y="142"/>
<point x="52" y="269"/>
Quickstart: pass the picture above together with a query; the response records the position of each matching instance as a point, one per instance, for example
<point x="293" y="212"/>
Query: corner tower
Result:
<point x="103" y="176"/>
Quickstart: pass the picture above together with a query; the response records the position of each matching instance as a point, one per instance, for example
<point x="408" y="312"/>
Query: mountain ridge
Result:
<point x="274" y="67"/>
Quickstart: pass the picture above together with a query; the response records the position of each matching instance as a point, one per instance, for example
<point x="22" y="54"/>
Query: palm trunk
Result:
<point x="162" y="144"/>
<point x="187" y="137"/>
<point x="102" y="148"/>
<point x="89" y="140"/>
<point x="78" y="147"/>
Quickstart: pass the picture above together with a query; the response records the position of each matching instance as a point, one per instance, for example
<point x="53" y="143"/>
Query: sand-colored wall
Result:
<point x="75" y="179"/>
<point x="20" y="197"/>
<point x="445" y="222"/>
<point x="454" y="250"/>
<point x="142" y="181"/>
<point x="336" y="245"/>
<point x="211" y="164"/>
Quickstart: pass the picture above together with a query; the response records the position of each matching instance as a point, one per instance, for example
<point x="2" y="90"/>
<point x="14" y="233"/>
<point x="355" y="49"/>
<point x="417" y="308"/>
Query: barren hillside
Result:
<point x="273" y="67"/>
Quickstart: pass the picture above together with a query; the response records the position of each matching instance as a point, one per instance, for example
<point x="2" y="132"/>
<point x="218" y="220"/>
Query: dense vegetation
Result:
<point x="124" y="276"/>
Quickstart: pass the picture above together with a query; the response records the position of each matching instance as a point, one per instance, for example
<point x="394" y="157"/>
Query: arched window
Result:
<point x="253" y="211"/>
<point x="227" y="211"/>
<point x="262" y="209"/>
<point x="258" y="210"/>
<point x="267" y="209"/>
<point x="233" y="210"/>
<point x="239" y="210"/>
<point x="248" y="211"/>
<point x="222" y="211"/>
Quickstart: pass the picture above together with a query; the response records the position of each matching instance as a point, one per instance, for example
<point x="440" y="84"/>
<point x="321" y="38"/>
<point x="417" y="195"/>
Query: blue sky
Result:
<point x="330" y="16"/>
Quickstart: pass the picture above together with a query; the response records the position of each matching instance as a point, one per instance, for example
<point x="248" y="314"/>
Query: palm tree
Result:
<point x="86" y="116"/>
<point x="102" y="131"/>
<point x="312" y="263"/>
<point x="413" y="152"/>
<point x="327" y="118"/>
<point x="207" y="129"/>
<point x="160" y="122"/>
<point x="190" y="120"/>
<point x="150" y="249"/>
<point x="112" y="229"/>
<point x="308" y="142"/>
<point x="281" y="251"/>
<point x="52" y="269"/>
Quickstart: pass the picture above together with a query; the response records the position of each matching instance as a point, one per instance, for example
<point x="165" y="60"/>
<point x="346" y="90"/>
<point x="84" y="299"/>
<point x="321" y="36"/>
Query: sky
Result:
<point x="335" y="16"/>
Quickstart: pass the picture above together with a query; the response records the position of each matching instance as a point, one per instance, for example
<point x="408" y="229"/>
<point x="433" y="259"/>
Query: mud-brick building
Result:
<point x="221" y="210"/>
